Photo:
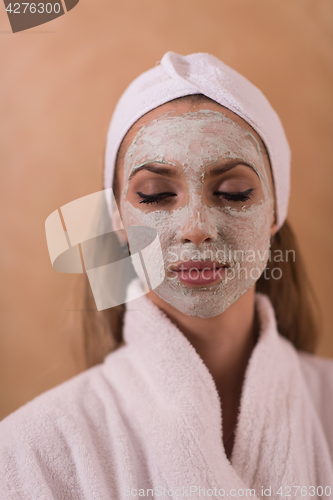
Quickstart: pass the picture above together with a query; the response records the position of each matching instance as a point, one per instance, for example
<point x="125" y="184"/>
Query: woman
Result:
<point x="203" y="396"/>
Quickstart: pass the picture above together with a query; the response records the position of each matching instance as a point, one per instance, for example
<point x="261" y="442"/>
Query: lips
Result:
<point x="199" y="273"/>
<point x="197" y="264"/>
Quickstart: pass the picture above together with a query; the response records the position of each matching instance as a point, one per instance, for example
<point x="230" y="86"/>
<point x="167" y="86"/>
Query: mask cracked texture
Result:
<point x="235" y="234"/>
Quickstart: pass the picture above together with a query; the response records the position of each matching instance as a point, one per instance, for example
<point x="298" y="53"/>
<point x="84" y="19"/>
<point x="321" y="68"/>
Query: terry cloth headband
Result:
<point x="178" y="76"/>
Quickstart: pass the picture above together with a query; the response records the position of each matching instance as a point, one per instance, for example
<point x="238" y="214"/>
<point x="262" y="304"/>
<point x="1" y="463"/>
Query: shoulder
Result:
<point x="52" y="442"/>
<point x="61" y="401"/>
<point x="79" y="397"/>
<point x="318" y="374"/>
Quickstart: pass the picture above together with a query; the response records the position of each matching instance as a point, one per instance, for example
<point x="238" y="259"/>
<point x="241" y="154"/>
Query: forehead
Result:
<point x="199" y="134"/>
<point x="181" y="107"/>
<point x="192" y="142"/>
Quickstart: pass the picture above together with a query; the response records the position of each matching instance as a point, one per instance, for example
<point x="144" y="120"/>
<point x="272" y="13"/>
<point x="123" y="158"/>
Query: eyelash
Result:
<point x="242" y="196"/>
<point x="156" y="199"/>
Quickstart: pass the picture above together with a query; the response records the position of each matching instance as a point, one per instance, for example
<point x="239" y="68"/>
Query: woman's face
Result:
<point x="199" y="175"/>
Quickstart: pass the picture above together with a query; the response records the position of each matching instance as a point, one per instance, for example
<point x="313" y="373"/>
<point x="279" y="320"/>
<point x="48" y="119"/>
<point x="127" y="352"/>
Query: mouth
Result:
<point x="199" y="273"/>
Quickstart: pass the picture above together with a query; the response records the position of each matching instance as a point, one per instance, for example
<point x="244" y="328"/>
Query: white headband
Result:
<point x="178" y="76"/>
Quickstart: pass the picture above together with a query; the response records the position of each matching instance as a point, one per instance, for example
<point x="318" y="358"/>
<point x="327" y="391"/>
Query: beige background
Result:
<point x="59" y="84"/>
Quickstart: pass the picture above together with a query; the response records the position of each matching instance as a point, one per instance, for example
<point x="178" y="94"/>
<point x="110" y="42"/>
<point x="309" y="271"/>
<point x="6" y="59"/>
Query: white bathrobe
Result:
<point x="147" y="423"/>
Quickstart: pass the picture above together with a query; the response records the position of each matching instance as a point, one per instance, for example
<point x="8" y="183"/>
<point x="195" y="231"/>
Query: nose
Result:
<point x="198" y="227"/>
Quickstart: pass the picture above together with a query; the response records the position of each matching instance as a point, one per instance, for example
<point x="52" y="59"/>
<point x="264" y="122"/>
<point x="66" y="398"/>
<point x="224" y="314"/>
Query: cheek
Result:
<point x="163" y="222"/>
<point x="132" y="216"/>
<point x="251" y="228"/>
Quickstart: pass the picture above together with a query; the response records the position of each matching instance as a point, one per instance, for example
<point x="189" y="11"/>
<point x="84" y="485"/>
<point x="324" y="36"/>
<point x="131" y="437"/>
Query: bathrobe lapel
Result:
<point x="279" y="440"/>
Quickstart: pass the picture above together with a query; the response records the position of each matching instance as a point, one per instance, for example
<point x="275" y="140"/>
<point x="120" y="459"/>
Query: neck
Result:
<point x="224" y="343"/>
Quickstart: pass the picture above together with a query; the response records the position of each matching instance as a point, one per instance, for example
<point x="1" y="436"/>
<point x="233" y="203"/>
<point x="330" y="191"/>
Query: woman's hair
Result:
<point x="285" y="282"/>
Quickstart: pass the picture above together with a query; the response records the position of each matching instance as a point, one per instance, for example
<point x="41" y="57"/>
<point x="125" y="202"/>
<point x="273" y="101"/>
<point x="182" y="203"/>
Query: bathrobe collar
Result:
<point x="277" y="424"/>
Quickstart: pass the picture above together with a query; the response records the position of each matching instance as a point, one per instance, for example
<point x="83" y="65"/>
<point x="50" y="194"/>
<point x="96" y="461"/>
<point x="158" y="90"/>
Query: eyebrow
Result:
<point x="220" y="169"/>
<point x="172" y="172"/>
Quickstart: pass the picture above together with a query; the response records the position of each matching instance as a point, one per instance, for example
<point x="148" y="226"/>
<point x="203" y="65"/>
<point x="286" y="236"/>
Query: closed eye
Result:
<point x="149" y="199"/>
<point x="155" y="199"/>
<point x="237" y="197"/>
